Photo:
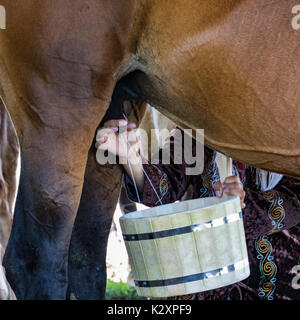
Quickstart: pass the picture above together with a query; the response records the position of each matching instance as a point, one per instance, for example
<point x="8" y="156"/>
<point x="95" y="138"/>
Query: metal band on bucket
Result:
<point x="182" y="230"/>
<point x="194" y="277"/>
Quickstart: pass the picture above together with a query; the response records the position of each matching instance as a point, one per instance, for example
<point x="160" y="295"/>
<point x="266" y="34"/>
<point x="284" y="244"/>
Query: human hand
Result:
<point x="123" y="144"/>
<point x="232" y="186"/>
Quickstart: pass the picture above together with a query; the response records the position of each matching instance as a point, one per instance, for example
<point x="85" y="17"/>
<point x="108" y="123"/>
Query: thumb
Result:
<point x="218" y="189"/>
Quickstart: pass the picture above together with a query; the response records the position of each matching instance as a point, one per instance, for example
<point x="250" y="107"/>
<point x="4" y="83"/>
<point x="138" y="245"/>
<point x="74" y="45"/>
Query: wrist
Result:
<point x="134" y="158"/>
<point x="134" y="169"/>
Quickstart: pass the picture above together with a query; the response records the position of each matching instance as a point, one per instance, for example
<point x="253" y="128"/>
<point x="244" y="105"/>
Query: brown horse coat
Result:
<point x="230" y="67"/>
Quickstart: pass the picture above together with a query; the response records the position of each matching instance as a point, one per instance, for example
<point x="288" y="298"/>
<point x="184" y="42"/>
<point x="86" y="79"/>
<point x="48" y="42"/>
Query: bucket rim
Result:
<point x="142" y="214"/>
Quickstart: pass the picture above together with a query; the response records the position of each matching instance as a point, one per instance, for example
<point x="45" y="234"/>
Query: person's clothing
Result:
<point x="271" y="220"/>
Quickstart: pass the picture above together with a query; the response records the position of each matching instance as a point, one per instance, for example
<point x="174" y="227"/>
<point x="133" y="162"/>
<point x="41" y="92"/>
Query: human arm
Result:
<point x="165" y="181"/>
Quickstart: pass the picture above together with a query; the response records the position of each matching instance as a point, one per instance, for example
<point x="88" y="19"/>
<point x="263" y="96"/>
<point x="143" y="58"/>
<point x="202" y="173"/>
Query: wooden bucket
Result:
<point x="186" y="247"/>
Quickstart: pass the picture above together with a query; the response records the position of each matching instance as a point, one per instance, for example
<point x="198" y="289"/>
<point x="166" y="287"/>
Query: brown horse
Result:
<point x="230" y="67"/>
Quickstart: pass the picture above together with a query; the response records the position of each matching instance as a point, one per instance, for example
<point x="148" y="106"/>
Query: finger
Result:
<point x="131" y="125"/>
<point x="104" y="132"/>
<point x="115" y="123"/>
<point x="114" y="129"/>
<point x="229" y="186"/>
<point x="232" y="179"/>
<point x="233" y="191"/>
<point x="241" y="195"/>
<point x="218" y="189"/>
<point x="103" y="146"/>
<point x="101" y="141"/>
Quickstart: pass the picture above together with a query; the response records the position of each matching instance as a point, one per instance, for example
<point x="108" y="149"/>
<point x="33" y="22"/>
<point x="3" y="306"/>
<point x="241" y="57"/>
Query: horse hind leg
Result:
<point x="100" y="195"/>
<point x="87" y="254"/>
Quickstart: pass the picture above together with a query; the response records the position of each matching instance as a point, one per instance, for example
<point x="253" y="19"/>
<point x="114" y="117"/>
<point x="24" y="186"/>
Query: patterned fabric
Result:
<point x="207" y="183"/>
<point x="276" y="211"/>
<point x="271" y="221"/>
<point x="267" y="267"/>
<point x="163" y="185"/>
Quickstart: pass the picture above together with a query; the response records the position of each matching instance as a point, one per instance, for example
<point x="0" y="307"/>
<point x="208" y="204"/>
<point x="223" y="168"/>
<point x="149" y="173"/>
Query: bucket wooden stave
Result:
<point x="186" y="247"/>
